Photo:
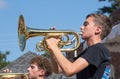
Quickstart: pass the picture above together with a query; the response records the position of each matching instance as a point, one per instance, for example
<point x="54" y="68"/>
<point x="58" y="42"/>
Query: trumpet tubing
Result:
<point x="25" y="32"/>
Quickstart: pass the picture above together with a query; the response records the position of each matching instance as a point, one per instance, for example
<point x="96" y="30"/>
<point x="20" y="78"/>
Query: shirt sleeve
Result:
<point x="93" y="56"/>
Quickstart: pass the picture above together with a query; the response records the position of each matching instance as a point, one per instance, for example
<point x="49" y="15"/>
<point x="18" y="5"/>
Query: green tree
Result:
<point x="115" y="4"/>
<point x="3" y="59"/>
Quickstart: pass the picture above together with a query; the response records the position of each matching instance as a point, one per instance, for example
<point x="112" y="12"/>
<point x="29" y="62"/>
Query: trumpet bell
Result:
<point x="13" y="76"/>
<point x="21" y="33"/>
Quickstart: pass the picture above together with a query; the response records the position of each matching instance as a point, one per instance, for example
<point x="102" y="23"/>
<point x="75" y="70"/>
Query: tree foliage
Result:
<point x="3" y="59"/>
<point x="115" y="4"/>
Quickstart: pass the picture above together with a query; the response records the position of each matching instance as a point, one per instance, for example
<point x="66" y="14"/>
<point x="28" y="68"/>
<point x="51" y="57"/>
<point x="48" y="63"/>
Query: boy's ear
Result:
<point x="41" y="72"/>
<point x="98" y="29"/>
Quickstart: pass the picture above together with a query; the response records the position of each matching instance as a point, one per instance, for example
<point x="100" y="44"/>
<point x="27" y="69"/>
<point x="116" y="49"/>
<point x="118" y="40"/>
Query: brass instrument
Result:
<point x="13" y="76"/>
<point x="25" y="32"/>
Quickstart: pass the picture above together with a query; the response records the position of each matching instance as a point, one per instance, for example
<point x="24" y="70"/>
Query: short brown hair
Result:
<point x="103" y="21"/>
<point x="43" y="63"/>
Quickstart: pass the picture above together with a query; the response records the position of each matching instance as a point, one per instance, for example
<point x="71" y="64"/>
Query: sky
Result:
<point x="40" y="14"/>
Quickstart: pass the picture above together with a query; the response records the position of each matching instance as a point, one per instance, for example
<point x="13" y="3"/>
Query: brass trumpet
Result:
<point x="13" y="76"/>
<point x="25" y="32"/>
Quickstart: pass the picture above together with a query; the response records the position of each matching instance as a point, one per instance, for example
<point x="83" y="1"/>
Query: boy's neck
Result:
<point x="41" y="78"/>
<point x="93" y="41"/>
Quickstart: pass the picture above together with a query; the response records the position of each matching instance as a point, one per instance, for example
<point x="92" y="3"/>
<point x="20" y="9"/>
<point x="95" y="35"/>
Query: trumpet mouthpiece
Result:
<point x="79" y="33"/>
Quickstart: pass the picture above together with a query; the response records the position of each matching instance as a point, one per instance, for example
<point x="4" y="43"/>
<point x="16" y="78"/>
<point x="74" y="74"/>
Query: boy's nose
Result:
<point x="81" y="27"/>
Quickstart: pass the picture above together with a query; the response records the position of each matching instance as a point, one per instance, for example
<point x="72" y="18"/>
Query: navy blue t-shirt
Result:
<point x="98" y="57"/>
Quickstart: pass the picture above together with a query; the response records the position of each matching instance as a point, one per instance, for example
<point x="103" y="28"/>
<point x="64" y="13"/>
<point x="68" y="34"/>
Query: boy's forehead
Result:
<point x="89" y="19"/>
<point x="33" y="64"/>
